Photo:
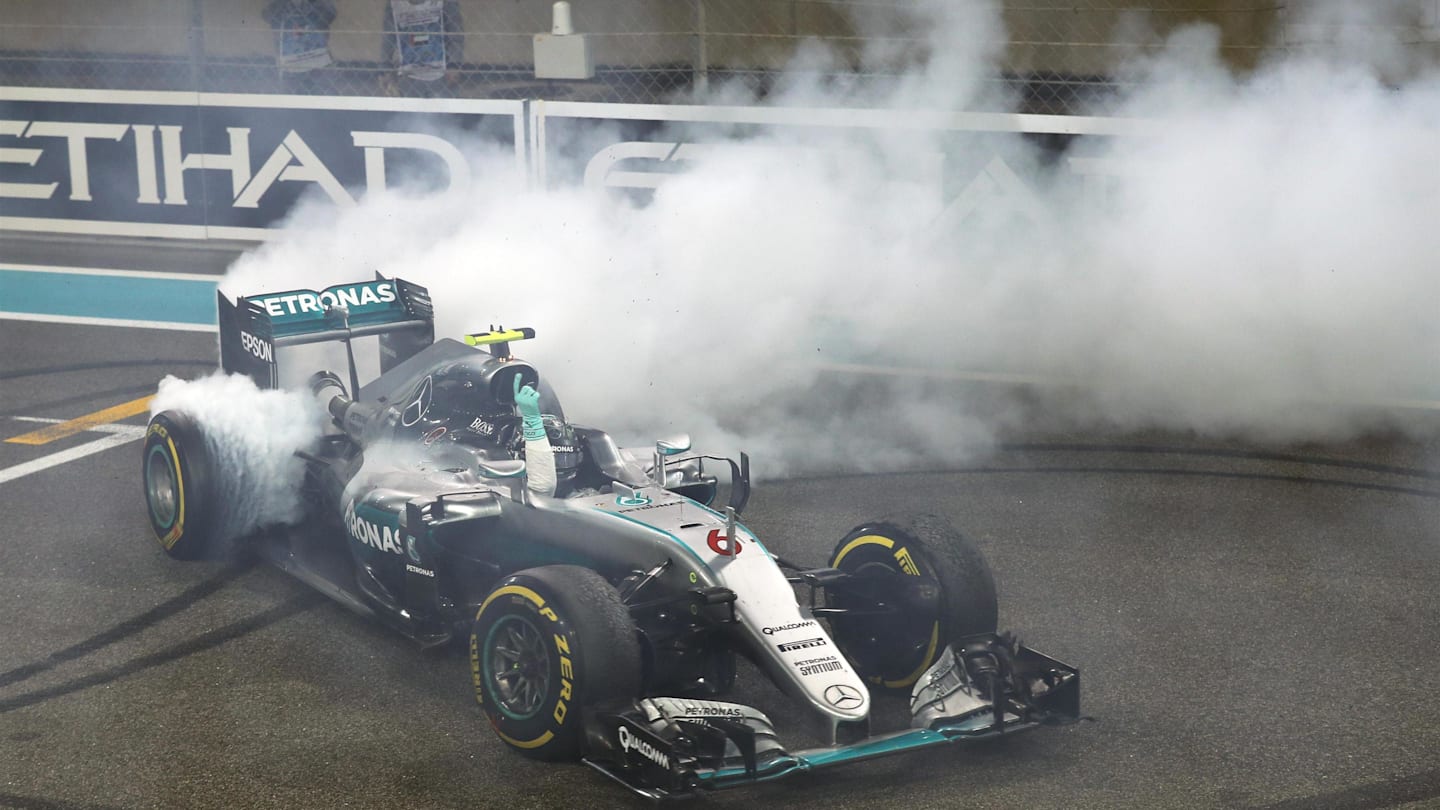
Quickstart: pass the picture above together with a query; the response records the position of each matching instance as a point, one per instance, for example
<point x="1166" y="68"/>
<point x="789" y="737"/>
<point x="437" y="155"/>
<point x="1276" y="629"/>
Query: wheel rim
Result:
<point x="886" y="645"/>
<point x="518" y="662"/>
<point x="160" y="487"/>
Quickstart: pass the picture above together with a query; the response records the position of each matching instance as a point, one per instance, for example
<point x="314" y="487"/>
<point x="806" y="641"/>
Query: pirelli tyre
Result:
<point x="918" y="585"/>
<point x="177" y="476"/>
<point x="546" y="644"/>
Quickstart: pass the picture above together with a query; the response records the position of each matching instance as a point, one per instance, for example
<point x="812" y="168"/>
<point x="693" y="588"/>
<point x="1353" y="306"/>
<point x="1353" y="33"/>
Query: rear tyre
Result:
<point x="546" y="644"/>
<point x="929" y="586"/>
<point x="177" y="476"/>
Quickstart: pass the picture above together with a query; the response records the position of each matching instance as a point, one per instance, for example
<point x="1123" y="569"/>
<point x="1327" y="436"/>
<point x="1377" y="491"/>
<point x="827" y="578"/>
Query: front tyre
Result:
<point x="176" y="472"/>
<point x="917" y="585"/>
<point x="547" y="643"/>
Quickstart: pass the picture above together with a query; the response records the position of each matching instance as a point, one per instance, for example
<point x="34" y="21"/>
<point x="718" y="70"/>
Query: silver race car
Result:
<point x="603" y="620"/>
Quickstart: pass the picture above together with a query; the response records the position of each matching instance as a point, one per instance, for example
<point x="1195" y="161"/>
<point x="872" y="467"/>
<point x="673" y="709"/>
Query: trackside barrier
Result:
<point x="960" y="156"/>
<point x="229" y="166"/>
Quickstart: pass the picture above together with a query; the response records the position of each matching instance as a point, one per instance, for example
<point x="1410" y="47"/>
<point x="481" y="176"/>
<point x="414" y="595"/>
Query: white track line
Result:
<point x="133" y="431"/>
<point x="86" y="321"/>
<point x="119" y="434"/>
<point x="108" y="271"/>
<point x="76" y="452"/>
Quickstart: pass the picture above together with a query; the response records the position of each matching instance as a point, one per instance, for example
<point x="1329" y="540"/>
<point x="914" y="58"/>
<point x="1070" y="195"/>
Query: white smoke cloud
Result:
<point x="1272" y="249"/>
<point x="924" y="54"/>
<point x="1263" y="266"/>
<point x="250" y="437"/>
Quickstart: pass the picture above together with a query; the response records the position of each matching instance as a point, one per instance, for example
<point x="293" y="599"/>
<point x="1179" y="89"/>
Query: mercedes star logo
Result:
<point x="843" y="696"/>
<point x="419" y="403"/>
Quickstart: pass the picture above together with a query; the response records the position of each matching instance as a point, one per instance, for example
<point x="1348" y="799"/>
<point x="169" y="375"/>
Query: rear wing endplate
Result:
<point x="253" y="327"/>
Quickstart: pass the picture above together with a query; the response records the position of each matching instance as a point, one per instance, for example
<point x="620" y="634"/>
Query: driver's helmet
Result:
<point x="565" y="445"/>
<point x="463" y="401"/>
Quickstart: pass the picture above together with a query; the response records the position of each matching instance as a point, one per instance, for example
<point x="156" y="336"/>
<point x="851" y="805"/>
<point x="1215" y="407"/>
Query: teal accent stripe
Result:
<point x="677" y="541"/>
<point x="873" y="748"/>
<point x="868" y="749"/>
<point x="738" y="525"/>
<point x="827" y="757"/>
<point x="141" y="298"/>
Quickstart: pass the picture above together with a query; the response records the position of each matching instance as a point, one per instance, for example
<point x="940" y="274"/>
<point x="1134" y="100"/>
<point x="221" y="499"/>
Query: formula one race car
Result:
<point x="603" y="620"/>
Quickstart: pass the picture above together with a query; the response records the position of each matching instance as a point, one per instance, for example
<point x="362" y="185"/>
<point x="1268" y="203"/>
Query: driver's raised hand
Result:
<point x="527" y="400"/>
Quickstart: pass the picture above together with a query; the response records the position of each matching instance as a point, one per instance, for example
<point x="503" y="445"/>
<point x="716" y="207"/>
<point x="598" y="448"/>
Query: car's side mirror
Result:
<point x="506" y="472"/>
<point x="673" y="445"/>
<point x="666" y="447"/>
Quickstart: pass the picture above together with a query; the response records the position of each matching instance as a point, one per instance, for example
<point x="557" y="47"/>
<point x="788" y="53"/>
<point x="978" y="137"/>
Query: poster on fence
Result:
<point x="192" y="165"/>
<point x="965" y="163"/>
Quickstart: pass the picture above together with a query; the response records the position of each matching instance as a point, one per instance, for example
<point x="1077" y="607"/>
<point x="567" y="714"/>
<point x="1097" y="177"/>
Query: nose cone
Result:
<point x="849" y="699"/>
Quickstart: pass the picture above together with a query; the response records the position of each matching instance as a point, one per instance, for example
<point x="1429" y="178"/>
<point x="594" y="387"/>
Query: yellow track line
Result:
<point x="50" y="433"/>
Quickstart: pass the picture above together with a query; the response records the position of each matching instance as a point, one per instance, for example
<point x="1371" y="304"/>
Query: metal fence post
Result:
<point x="197" y="44"/>
<point x="700" y="77"/>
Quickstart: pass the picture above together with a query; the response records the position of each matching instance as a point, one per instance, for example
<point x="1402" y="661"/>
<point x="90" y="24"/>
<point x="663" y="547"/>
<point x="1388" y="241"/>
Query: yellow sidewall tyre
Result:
<point x="547" y="644"/>
<point x="175" y="472"/>
<point x="892" y="651"/>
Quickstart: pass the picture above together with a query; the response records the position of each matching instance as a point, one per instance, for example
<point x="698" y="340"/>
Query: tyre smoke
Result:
<point x="251" y="437"/>
<point x="1255" y="260"/>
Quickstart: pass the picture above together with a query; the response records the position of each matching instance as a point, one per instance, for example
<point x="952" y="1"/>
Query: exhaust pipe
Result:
<point x="347" y="414"/>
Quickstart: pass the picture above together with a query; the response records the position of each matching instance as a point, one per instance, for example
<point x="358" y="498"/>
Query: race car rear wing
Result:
<point x="253" y="327"/>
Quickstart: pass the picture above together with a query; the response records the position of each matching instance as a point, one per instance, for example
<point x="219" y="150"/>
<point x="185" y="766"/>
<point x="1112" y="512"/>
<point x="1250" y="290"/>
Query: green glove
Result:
<point x="539" y="459"/>
<point x="527" y="400"/>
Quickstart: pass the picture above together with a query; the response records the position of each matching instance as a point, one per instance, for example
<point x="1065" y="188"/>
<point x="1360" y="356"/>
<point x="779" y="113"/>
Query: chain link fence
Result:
<point x="1039" y="56"/>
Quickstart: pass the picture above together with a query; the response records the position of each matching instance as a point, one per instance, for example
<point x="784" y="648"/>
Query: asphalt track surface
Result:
<point x="1257" y="628"/>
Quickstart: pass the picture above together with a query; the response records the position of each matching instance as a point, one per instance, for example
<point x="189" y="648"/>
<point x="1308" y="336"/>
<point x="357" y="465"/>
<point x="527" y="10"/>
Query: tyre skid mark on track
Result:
<point x="214" y="638"/>
<point x="35" y="803"/>
<point x="1417" y="787"/>
<point x="182" y="601"/>
<point x="1246" y="455"/>
<point x="1180" y="472"/>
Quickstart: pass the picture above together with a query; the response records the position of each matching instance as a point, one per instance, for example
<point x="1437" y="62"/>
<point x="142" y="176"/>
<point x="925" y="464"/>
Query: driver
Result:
<point x="552" y="451"/>
<point x="546" y="442"/>
<point x="539" y="458"/>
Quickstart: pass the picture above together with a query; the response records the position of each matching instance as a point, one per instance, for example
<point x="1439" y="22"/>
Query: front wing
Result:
<point x="669" y="747"/>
